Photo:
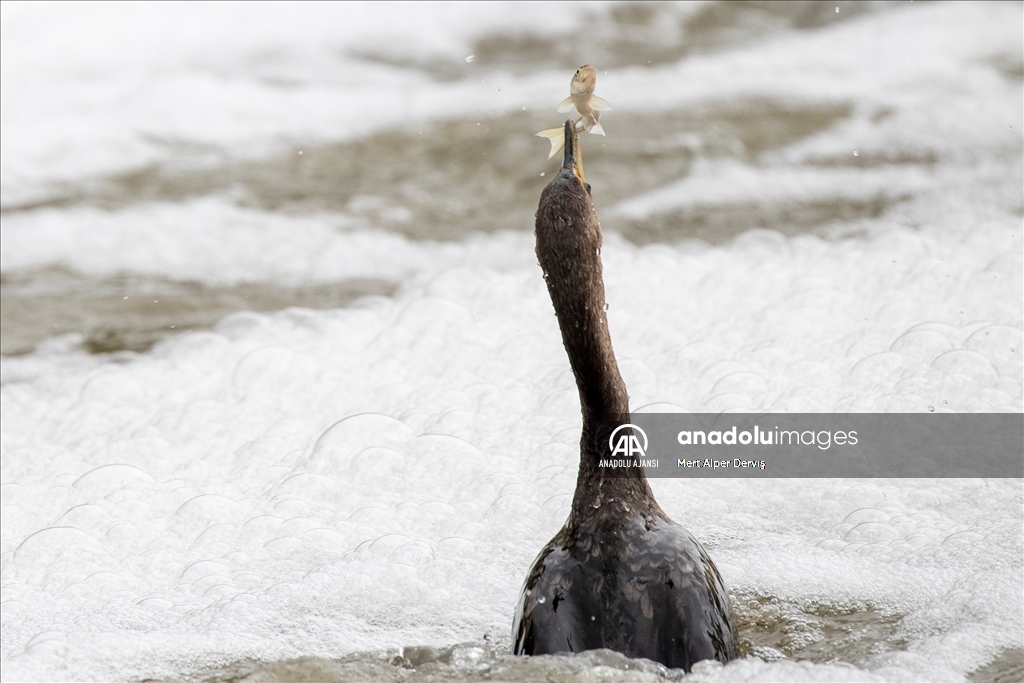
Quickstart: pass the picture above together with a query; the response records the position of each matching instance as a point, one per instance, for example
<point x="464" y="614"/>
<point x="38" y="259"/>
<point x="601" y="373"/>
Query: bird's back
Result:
<point x="643" y="587"/>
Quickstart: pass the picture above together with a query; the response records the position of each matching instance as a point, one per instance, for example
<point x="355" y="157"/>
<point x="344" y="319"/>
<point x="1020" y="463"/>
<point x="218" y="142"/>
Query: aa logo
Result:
<point x="627" y="444"/>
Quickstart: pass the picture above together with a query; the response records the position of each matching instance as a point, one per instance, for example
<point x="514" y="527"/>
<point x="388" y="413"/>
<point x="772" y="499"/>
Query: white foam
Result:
<point x="255" y="79"/>
<point x="102" y="88"/>
<point x="211" y="240"/>
<point x="728" y="183"/>
<point x="200" y="491"/>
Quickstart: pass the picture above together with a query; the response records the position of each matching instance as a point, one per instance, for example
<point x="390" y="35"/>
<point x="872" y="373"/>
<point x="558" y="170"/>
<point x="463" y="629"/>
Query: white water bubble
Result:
<point x="470" y="58"/>
<point x="102" y="480"/>
<point x="344" y="439"/>
<point x="55" y="547"/>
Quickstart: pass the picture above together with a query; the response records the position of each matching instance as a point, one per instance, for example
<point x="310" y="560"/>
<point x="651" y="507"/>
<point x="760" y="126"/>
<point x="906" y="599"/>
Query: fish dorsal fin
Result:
<point x="598" y="104"/>
<point x="566" y="105"/>
<point x="556" y="136"/>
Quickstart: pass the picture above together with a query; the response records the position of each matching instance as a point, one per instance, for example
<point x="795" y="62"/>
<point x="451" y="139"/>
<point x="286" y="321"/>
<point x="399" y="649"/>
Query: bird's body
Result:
<point x="640" y="586"/>
<point x="620" y="574"/>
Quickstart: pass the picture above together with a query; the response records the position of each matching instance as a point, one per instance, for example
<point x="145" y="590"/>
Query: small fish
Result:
<point x="581" y="96"/>
<point x="589" y="105"/>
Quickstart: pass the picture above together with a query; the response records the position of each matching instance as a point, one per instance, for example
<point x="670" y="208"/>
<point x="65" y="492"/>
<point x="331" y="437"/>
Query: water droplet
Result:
<point x="606" y="306"/>
<point x="541" y="175"/>
<point x="837" y="10"/>
<point x="595" y="618"/>
<point x="855" y="153"/>
<point x="470" y="58"/>
<point x="945" y="403"/>
<point x="542" y="600"/>
<point x="300" y="152"/>
<point x="126" y="298"/>
<point x="524" y="108"/>
<point x="894" y="260"/>
<point x="931" y="409"/>
<point x="596" y="504"/>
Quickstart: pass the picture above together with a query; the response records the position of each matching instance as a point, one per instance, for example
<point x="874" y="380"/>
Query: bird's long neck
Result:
<point x="568" y="248"/>
<point x="576" y="286"/>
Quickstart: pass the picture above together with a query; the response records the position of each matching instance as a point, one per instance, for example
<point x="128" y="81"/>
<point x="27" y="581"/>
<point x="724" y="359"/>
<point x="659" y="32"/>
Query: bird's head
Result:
<point x="566" y="221"/>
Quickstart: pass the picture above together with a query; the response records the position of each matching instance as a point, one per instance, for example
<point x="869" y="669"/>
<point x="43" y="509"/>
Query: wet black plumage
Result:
<point x="620" y="574"/>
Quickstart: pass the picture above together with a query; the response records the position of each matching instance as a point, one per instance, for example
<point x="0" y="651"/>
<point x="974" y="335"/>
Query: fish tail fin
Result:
<point x="556" y="136"/>
<point x="556" y="146"/>
<point x="596" y="129"/>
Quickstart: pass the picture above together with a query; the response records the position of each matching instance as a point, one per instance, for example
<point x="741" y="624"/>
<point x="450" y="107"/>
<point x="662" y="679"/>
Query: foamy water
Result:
<point x="331" y="483"/>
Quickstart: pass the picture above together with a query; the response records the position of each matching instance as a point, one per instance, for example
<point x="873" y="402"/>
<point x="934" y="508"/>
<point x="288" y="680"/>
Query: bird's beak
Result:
<point x="573" y="157"/>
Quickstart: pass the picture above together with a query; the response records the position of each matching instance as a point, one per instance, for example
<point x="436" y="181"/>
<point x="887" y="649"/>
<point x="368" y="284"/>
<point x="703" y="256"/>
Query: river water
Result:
<point x="283" y="397"/>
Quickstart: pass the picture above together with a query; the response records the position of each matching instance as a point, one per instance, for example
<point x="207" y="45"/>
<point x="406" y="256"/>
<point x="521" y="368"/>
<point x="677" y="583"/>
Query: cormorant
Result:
<point x="620" y="574"/>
